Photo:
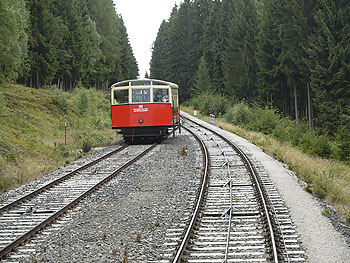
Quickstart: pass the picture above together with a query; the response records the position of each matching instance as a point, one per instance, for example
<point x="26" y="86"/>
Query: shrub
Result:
<point x="239" y="114"/>
<point x="283" y="130"/>
<point x="86" y="146"/>
<point x="313" y="144"/>
<point x="84" y="100"/>
<point x="196" y="102"/>
<point x="59" y="100"/>
<point x="264" y="119"/>
<point x="210" y="103"/>
<point x="61" y="149"/>
<point x="342" y="144"/>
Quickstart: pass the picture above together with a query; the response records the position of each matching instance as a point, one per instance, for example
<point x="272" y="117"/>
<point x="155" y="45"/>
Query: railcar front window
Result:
<point x="141" y="95"/>
<point x="140" y="83"/>
<point x="121" y="96"/>
<point x="161" y="95"/>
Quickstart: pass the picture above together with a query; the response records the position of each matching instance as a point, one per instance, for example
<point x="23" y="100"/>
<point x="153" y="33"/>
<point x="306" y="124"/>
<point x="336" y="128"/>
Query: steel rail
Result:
<point x="59" y="180"/>
<point x="263" y="197"/>
<point x="24" y="237"/>
<point x="230" y="208"/>
<point x="189" y="230"/>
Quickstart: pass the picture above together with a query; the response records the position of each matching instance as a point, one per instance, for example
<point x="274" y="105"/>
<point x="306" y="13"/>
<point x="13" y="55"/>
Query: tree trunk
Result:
<point x="37" y="79"/>
<point x="31" y="80"/>
<point x="296" y="102"/>
<point x="64" y="81"/>
<point x="309" y="101"/>
<point x="70" y="84"/>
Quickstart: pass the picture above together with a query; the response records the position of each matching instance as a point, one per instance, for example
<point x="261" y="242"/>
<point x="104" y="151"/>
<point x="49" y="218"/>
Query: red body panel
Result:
<point x="151" y="114"/>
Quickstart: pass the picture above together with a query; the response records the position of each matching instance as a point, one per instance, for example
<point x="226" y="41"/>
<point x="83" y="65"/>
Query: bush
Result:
<point x="82" y="99"/>
<point x="269" y="121"/>
<point x="341" y="149"/>
<point x="239" y="114"/>
<point x="86" y="146"/>
<point x="313" y="144"/>
<point x="59" y="100"/>
<point x="264" y="119"/>
<point x="196" y="102"/>
<point x="283" y="130"/>
<point x="210" y="103"/>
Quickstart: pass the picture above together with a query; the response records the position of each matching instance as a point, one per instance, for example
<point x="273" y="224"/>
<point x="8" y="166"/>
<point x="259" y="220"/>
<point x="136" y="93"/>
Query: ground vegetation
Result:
<point x="32" y="134"/>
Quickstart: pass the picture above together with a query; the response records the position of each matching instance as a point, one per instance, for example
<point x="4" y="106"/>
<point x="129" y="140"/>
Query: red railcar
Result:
<point x="144" y="108"/>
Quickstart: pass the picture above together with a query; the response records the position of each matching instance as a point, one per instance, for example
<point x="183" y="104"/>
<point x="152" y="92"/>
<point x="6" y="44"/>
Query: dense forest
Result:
<point x="63" y="43"/>
<point x="291" y="55"/>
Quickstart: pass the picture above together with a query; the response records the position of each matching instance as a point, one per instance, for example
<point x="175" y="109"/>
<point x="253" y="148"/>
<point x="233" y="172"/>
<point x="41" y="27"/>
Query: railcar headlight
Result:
<point x="140" y="120"/>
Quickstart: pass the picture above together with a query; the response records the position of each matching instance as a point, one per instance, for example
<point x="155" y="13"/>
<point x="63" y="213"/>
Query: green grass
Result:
<point x="32" y="130"/>
<point x="327" y="178"/>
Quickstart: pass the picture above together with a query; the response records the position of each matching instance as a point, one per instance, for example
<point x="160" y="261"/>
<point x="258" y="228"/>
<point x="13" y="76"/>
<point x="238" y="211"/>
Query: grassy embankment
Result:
<point x="32" y="130"/>
<point x="327" y="178"/>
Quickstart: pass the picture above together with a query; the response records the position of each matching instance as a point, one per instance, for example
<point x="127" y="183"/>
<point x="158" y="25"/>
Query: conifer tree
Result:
<point x="13" y="40"/>
<point x="80" y="42"/>
<point x="239" y="64"/>
<point x="117" y="61"/>
<point x="329" y="57"/>
<point x="212" y="43"/>
<point x="202" y="81"/>
<point x="270" y="78"/>
<point x="158" y="64"/>
<point x="44" y="42"/>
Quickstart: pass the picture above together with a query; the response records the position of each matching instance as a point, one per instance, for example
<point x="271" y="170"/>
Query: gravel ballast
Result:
<point x="125" y="221"/>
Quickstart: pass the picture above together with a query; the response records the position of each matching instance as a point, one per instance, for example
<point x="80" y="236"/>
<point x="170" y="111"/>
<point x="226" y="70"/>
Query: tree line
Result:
<point x="293" y="55"/>
<point x="63" y="43"/>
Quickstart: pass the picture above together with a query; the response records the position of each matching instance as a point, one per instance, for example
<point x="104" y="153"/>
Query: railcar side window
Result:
<point x="141" y="95"/>
<point x="160" y="95"/>
<point x="121" y="96"/>
<point x="158" y="83"/>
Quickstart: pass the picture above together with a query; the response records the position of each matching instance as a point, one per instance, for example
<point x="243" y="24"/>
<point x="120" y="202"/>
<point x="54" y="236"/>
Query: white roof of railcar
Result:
<point x="127" y="83"/>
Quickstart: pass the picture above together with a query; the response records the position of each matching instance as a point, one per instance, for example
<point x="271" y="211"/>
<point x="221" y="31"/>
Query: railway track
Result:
<point x="238" y="214"/>
<point x="23" y="218"/>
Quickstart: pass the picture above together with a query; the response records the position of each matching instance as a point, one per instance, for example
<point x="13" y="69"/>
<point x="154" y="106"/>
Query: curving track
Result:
<point x="238" y="216"/>
<point x="21" y="219"/>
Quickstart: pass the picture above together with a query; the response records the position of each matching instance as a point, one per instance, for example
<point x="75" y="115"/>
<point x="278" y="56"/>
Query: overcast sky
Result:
<point x="142" y="19"/>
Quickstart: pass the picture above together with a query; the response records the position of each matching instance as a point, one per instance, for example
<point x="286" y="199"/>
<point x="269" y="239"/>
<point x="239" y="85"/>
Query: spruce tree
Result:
<point x="212" y="43"/>
<point x="271" y="82"/>
<point x="44" y="43"/>
<point x="202" y="81"/>
<point x="158" y="64"/>
<point x="239" y="64"/>
<point x="329" y="58"/>
<point x="13" y="40"/>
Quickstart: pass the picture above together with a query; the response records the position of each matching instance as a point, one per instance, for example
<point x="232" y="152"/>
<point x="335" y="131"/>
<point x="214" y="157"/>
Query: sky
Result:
<point x="142" y="19"/>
